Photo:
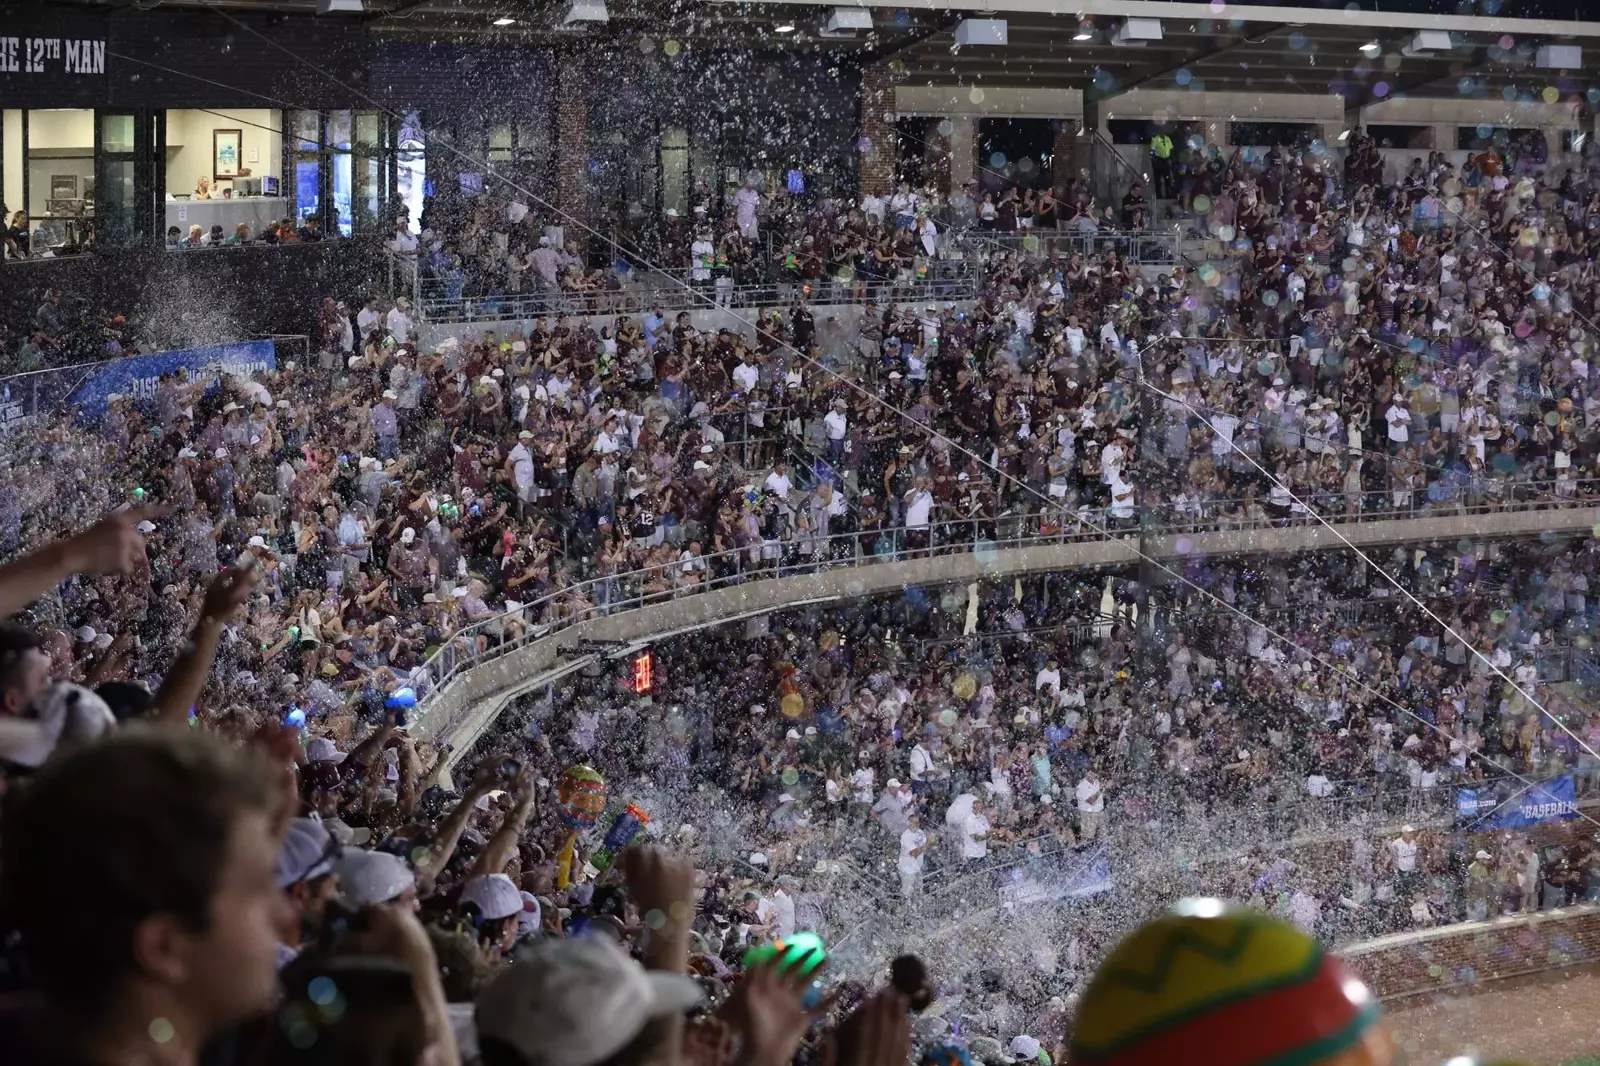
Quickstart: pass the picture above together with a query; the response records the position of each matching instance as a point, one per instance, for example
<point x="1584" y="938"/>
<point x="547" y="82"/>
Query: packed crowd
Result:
<point x="287" y="553"/>
<point x="909" y="757"/>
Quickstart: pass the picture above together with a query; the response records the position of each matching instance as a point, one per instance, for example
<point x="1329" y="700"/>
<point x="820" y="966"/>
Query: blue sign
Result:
<point x="1057" y="879"/>
<point x="136" y="376"/>
<point x="1553" y="800"/>
<point x="26" y="397"/>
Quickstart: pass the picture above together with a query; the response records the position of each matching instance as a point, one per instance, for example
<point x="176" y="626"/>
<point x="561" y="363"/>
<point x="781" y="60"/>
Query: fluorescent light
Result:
<point x="787" y="27"/>
<point x="503" y="21"/>
<point x="1371" y="48"/>
<point x="1083" y="35"/>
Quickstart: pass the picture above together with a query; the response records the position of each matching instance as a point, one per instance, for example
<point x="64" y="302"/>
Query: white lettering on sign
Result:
<point x="43" y="55"/>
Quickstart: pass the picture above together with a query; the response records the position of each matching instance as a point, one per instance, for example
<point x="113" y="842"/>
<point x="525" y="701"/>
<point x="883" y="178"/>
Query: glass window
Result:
<point x="370" y="173"/>
<point x="59" y="189"/>
<point x="303" y="131"/>
<point x="114" y="203"/>
<point x="342" y="193"/>
<point x="674" y="171"/>
<point x="307" y="188"/>
<point x="339" y="130"/>
<point x="116" y="133"/>
<point x="411" y="169"/>
<point x="369" y="129"/>
<point x="500" y="145"/>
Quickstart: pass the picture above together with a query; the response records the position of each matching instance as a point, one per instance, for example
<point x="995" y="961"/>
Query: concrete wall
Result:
<point x="1216" y="110"/>
<point x="1447" y="111"/>
<point x="988" y="101"/>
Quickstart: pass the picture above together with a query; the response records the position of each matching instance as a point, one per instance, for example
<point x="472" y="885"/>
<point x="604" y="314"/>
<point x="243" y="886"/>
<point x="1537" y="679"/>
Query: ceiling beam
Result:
<point x="1197" y="58"/>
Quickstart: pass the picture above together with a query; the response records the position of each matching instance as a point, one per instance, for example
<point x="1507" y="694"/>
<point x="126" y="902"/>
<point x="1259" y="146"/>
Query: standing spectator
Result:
<point x="1091" y="799"/>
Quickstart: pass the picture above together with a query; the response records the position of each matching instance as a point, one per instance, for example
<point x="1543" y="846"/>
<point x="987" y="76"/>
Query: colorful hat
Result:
<point x="1250" y="989"/>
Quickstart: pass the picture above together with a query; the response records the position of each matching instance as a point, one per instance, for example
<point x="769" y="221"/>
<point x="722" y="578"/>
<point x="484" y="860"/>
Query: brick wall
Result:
<point x="572" y="136"/>
<point x="1064" y="156"/>
<point x="1470" y="953"/>
<point x="876" y="146"/>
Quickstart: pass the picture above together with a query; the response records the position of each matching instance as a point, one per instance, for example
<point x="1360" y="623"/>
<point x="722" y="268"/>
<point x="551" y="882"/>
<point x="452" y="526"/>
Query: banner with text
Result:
<point x="52" y="56"/>
<point x="1553" y="800"/>
<point x="26" y="397"/>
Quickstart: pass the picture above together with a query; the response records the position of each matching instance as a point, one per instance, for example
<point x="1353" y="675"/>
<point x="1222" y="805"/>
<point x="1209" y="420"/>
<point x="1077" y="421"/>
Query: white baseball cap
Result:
<point x="368" y="877"/>
<point x="495" y="896"/>
<point x="528" y="920"/>
<point x="321" y="749"/>
<point x="1024" y="1048"/>
<point x="61" y="712"/>
<point x="577" y="1002"/>
<point x="305" y="854"/>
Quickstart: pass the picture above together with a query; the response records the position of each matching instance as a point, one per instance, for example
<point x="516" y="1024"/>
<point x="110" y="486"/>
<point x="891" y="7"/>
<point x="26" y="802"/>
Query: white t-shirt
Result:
<point x="861" y="784"/>
<point x="1405" y="854"/>
<point x="1224" y="425"/>
<point x="911" y="840"/>
<point x="521" y="466"/>
<point x="974" y="826"/>
<point x="836" y="425"/>
<point x="1091" y="796"/>
<point x="747" y="375"/>
<point x="703" y="253"/>
<point x="1047" y="678"/>
<point x="780" y="908"/>
<point x="921" y="763"/>
<point x="779" y="484"/>
<point x="1399" y="420"/>
<point x="919" y="508"/>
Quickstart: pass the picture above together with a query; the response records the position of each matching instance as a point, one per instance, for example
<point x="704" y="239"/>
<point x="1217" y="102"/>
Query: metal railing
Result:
<point x="1484" y="495"/>
<point x="493" y="636"/>
<point x="1148" y="246"/>
<point x="450" y="300"/>
<point x="496" y="635"/>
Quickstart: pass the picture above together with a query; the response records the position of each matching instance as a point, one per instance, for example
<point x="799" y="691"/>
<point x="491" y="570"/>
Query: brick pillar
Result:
<point x="1064" y="156"/>
<point x="572" y="136"/>
<point x="876" y="147"/>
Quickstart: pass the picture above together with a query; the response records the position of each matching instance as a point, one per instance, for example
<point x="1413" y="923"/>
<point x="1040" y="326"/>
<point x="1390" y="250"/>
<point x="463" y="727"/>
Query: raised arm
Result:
<point x="187" y="675"/>
<point x="112" y="545"/>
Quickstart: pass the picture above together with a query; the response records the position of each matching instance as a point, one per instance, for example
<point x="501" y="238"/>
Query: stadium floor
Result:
<point x="1542" y="1020"/>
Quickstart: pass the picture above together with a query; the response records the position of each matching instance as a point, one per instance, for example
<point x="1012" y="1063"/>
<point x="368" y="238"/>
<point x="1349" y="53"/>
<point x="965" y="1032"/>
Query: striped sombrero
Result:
<point x="1213" y="984"/>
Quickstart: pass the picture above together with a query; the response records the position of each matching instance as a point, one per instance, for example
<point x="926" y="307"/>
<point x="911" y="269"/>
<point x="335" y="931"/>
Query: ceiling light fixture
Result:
<point x="1083" y="35"/>
<point x="503" y="21"/>
<point x="1371" y="48"/>
<point x="787" y="27"/>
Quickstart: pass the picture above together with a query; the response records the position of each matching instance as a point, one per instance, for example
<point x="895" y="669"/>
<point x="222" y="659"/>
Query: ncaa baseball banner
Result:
<point x="25" y="398"/>
<point x="1553" y="800"/>
<point x="136" y="376"/>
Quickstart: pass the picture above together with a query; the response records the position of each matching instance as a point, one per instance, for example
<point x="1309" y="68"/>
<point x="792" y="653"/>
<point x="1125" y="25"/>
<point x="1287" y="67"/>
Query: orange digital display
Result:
<point x="643" y="672"/>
